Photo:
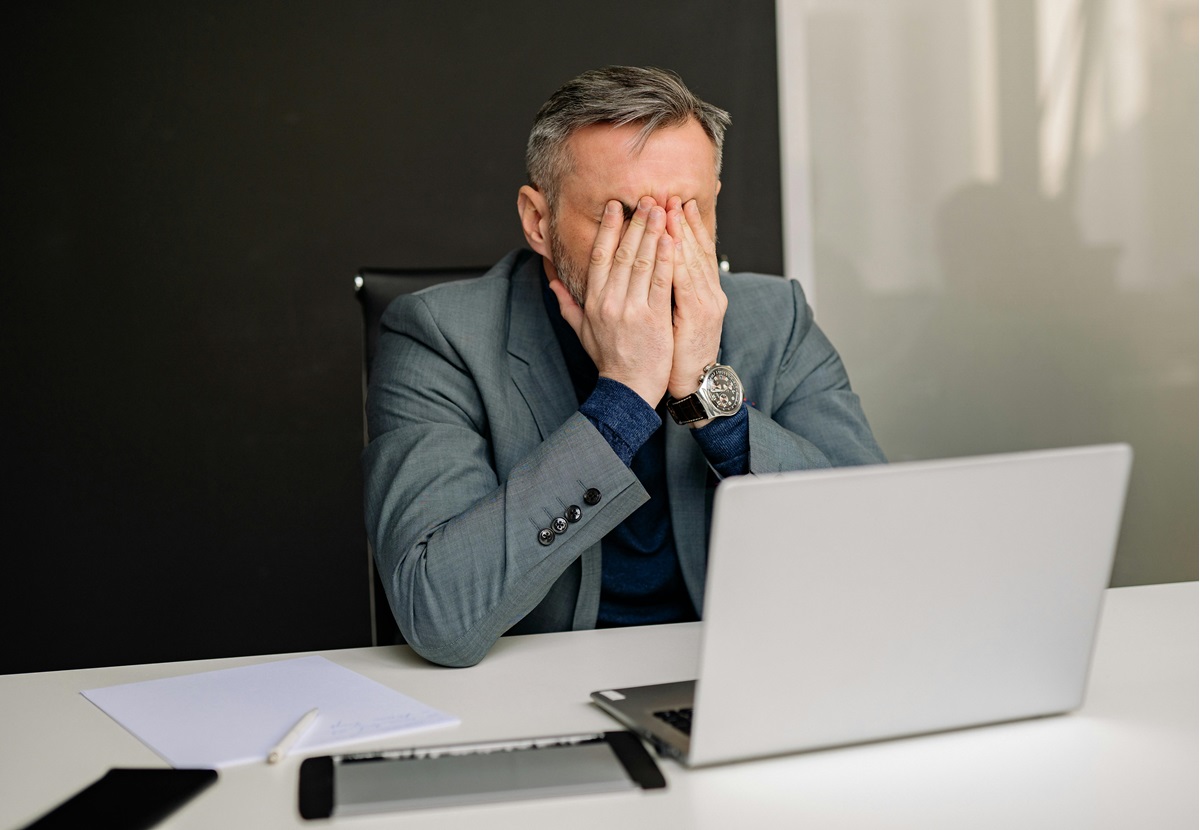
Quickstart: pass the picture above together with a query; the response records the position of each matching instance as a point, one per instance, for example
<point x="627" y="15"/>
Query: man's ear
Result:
<point x="535" y="219"/>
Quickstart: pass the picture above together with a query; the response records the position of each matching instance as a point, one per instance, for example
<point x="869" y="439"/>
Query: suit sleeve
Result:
<point x="457" y="548"/>
<point x="815" y="419"/>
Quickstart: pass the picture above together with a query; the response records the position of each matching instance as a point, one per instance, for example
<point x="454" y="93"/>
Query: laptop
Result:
<point x="862" y="604"/>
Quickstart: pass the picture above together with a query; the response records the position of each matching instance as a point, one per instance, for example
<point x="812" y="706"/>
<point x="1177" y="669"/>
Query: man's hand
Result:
<point x="699" y="301"/>
<point x="625" y="323"/>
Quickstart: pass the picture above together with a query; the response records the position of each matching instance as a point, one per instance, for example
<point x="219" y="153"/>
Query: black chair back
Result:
<point x="375" y="288"/>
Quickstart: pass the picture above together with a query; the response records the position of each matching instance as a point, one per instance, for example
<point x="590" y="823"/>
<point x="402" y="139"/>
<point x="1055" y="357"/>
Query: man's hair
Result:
<point x="618" y="95"/>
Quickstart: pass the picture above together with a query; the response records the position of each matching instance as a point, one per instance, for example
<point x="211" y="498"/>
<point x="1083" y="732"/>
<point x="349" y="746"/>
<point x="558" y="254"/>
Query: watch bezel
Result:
<point x="706" y="391"/>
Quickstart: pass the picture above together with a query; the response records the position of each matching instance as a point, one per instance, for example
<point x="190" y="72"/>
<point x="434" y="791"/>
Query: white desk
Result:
<point x="1127" y="759"/>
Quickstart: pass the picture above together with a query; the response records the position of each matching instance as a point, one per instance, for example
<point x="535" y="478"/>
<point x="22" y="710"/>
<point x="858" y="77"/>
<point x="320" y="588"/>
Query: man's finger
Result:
<point x="682" y="279"/>
<point x="685" y="245"/>
<point x="675" y="203"/>
<point x="663" y="279"/>
<point x="691" y="212"/>
<point x="706" y="242"/>
<point x="641" y="274"/>
<point x="626" y="253"/>
<point x="697" y="265"/>
<point x="608" y="237"/>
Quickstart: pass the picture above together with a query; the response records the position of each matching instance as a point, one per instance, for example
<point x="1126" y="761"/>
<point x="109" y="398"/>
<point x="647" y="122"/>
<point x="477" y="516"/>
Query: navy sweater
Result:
<point x="641" y="583"/>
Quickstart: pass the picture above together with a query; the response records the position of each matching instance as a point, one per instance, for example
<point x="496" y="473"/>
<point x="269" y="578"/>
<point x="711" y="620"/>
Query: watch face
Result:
<point x="723" y="390"/>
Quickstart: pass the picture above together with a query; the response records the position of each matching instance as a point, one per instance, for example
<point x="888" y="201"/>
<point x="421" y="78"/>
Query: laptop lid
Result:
<point x="860" y="604"/>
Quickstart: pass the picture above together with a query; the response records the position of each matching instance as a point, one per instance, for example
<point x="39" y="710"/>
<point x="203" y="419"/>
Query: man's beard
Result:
<point x="572" y="274"/>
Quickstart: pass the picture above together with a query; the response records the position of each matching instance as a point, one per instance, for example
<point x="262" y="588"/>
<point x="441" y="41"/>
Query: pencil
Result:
<point x="294" y="734"/>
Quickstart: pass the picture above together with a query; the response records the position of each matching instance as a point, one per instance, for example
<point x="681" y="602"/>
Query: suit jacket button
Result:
<point x="591" y="497"/>
<point x="545" y="536"/>
<point x="559" y="525"/>
<point x="574" y="514"/>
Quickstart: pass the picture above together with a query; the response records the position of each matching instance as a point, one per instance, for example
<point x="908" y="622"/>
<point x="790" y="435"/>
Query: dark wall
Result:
<point x="186" y="195"/>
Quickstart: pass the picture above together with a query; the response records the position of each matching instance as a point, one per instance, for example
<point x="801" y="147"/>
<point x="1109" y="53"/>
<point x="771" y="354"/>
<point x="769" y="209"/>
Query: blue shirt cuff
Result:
<point x="621" y="417"/>
<point x="726" y="443"/>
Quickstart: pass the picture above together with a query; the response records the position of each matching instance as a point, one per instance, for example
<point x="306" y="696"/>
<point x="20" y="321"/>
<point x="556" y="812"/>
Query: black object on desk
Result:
<point x="447" y="776"/>
<point x="128" y="799"/>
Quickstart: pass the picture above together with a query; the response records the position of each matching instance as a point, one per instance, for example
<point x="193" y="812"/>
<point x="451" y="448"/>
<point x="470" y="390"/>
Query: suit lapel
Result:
<point x="535" y="359"/>
<point x="540" y="375"/>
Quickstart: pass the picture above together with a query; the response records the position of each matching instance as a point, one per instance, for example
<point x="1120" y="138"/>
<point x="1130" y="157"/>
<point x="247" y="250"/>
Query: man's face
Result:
<point x="674" y="161"/>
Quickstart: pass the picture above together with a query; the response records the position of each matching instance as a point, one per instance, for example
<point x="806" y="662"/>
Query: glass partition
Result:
<point x="993" y="207"/>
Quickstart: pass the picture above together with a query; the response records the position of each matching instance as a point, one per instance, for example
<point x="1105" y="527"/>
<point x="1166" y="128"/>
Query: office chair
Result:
<point x="375" y="288"/>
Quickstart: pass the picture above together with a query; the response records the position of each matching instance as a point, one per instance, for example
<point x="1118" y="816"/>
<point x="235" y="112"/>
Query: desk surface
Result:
<point x="1127" y="759"/>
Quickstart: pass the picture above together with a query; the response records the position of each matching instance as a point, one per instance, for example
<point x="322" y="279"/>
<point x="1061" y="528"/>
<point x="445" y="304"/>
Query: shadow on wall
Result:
<point x="1035" y="346"/>
<point x="1022" y="330"/>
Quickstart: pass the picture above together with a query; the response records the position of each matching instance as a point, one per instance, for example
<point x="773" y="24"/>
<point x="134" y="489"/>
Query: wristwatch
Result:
<point x="719" y="396"/>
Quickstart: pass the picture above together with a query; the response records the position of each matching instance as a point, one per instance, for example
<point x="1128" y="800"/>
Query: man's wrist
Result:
<point x="683" y="384"/>
<point x="726" y="443"/>
<point x="622" y="417"/>
<point x="644" y="393"/>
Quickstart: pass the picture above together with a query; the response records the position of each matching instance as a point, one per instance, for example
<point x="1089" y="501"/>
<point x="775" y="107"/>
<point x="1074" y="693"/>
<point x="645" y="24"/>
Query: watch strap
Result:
<point x="687" y="410"/>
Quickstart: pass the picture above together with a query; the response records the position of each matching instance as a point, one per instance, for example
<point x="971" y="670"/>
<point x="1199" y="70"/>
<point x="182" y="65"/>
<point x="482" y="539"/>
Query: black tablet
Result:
<point x="381" y="782"/>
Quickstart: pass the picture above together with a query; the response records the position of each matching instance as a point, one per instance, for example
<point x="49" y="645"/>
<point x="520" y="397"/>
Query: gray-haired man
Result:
<point x="544" y="440"/>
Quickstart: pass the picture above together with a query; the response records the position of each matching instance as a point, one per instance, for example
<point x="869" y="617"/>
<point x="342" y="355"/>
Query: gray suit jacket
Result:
<point x="476" y="443"/>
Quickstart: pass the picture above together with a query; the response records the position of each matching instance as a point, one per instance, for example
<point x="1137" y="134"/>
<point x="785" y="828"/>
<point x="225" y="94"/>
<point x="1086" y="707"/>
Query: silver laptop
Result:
<point x="861" y="604"/>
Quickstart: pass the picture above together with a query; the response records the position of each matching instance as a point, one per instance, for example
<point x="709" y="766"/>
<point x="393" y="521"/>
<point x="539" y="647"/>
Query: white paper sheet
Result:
<point x="234" y="716"/>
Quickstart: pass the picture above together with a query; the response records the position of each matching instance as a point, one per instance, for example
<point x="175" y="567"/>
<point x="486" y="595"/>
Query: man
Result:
<point x="545" y="440"/>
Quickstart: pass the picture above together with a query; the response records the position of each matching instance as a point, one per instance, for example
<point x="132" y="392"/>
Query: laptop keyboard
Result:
<point x="681" y="719"/>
